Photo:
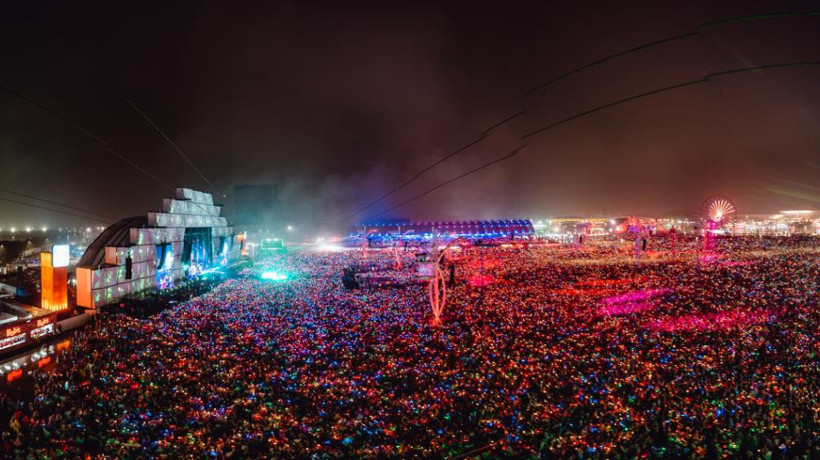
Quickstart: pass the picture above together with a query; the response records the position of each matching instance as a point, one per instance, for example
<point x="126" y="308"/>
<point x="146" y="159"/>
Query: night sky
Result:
<point x="338" y="103"/>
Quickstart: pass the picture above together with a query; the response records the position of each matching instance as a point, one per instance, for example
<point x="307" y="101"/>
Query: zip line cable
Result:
<point x="108" y="148"/>
<point x="171" y="142"/>
<point x="784" y="65"/>
<point x="612" y="104"/>
<point x="54" y="210"/>
<point x="706" y="78"/>
<point x="701" y="27"/>
<point x="781" y="14"/>
<point x="538" y="131"/>
<point x="574" y="71"/>
<point x="485" y="134"/>
<point x="54" y="31"/>
<point x="441" y="160"/>
<point x="450" y="181"/>
<point x="56" y="203"/>
<point x="589" y="65"/>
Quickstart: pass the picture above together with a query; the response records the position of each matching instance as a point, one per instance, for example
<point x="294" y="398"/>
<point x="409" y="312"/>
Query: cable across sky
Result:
<point x="59" y="211"/>
<point x="44" y="200"/>
<point x="114" y="82"/>
<point x="705" y="79"/>
<point x="106" y="146"/>
<point x="552" y="81"/>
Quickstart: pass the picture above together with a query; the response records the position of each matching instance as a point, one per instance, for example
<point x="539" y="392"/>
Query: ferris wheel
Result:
<point x="717" y="211"/>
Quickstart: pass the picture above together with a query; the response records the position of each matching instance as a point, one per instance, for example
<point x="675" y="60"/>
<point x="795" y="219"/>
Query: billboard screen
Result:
<point x="60" y="255"/>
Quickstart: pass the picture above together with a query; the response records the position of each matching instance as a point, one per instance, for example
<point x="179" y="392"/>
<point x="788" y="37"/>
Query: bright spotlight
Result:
<point x="274" y="276"/>
<point x="329" y="247"/>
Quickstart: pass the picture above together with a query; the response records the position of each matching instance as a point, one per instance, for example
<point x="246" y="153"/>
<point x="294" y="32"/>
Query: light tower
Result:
<point x="54" y="278"/>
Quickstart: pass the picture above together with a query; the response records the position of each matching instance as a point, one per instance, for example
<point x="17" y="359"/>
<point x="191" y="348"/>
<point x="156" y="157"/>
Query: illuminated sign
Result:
<point x="12" y="341"/>
<point x="13" y="331"/>
<point x="14" y="375"/>
<point x="64" y="345"/>
<point x="41" y="331"/>
<point x="60" y="255"/>
<point x="42" y="322"/>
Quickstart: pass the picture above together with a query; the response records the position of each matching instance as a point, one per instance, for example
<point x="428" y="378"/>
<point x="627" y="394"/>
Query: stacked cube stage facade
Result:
<point x="146" y="254"/>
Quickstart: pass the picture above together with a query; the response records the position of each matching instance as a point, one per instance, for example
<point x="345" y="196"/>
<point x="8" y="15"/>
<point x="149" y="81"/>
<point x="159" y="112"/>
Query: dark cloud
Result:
<point x="338" y="103"/>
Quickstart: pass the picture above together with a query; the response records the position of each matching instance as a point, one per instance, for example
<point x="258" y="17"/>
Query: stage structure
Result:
<point x="145" y="254"/>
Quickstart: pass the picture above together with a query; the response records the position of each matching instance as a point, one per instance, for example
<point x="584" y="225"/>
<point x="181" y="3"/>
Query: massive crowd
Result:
<point x="567" y="353"/>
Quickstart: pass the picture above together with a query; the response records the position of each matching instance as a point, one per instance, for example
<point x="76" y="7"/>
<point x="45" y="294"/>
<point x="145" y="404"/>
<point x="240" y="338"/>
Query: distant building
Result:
<point x="23" y="324"/>
<point x="561" y="227"/>
<point x="790" y="222"/>
<point x="516" y="228"/>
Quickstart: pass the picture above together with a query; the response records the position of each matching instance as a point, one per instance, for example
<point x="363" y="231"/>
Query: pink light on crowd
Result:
<point x="714" y="321"/>
<point x="636" y="296"/>
<point x="738" y="263"/>
<point x="480" y="280"/>
<point x="613" y="282"/>
<point x="626" y="308"/>
<point x="632" y="302"/>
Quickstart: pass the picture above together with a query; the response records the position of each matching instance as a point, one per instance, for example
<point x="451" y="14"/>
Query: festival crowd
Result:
<point x="575" y="352"/>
